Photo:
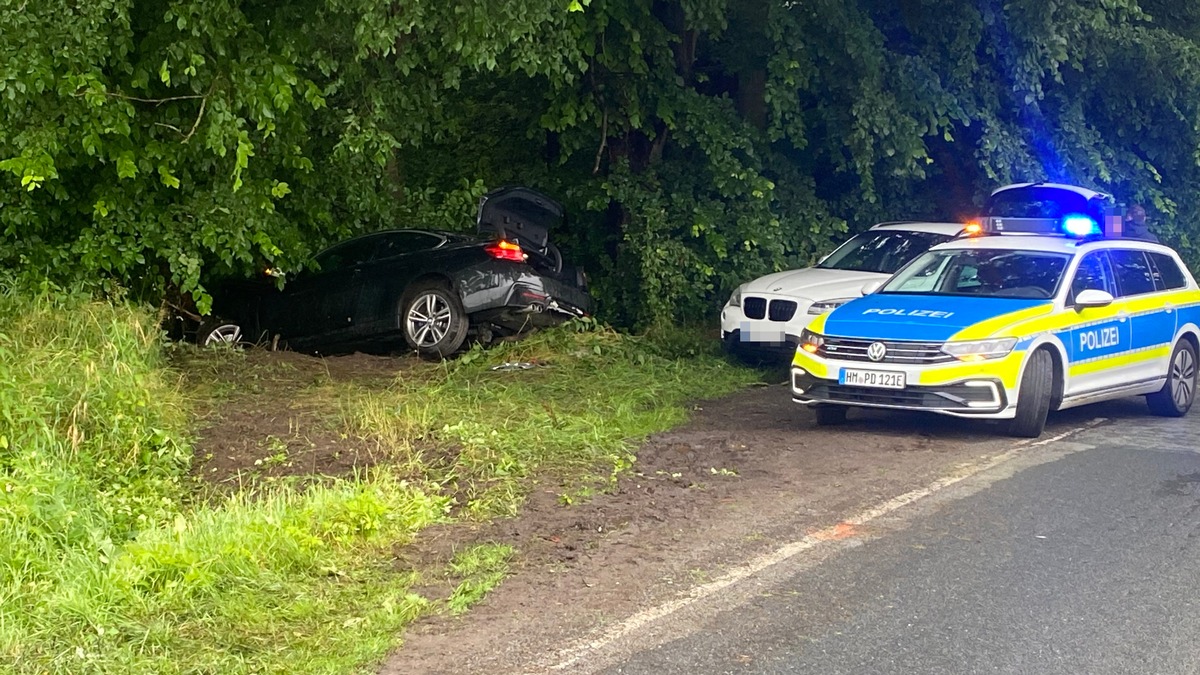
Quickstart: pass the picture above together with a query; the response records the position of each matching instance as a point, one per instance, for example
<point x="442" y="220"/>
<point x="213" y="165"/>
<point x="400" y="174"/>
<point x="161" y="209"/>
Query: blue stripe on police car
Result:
<point x="903" y="316"/>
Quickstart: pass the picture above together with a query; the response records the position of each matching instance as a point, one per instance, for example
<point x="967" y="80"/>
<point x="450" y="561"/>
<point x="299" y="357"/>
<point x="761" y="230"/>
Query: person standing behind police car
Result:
<point x="1135" y="224"/>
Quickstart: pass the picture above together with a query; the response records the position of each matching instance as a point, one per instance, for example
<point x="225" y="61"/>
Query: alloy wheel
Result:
<point x="1183" y="378"/>
<point x="428" y="319"/>
<point x="228" y="334"/>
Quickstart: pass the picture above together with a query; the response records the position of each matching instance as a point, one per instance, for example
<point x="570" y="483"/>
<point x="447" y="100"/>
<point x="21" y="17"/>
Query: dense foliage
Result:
<point x="160" y="143"/>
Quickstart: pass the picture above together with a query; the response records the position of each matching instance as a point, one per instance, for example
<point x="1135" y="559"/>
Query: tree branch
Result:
<point x="199" y="116"/>
<point x="603" y="142"/>
<point x="155" y="101"/>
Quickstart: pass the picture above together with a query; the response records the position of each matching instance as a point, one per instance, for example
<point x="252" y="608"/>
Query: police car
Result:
<point x="1037" y="311"/>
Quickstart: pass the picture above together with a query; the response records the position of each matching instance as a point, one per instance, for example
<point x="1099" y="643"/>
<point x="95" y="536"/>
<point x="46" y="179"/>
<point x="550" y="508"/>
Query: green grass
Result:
<point x="481" y="569"/>
<point x="109" y="561"/>
<point x="575" y="416"/>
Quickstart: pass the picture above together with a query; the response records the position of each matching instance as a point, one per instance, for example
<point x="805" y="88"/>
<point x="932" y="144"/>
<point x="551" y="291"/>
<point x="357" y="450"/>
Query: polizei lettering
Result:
<point x="1099" y="339"/>
<point x="910" y="312"/>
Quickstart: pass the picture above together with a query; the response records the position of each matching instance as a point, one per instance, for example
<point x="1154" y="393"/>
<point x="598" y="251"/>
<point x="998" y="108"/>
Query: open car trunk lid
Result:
<point x="520" y="215"/>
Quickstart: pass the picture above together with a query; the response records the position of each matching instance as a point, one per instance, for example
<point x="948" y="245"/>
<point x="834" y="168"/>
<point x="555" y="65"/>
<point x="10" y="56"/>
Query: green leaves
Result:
<point x="697" y="142"/>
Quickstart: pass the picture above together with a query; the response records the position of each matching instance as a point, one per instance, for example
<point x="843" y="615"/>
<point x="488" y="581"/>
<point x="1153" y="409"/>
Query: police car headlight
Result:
<point x="825" y="306"/>
<point x="978" y="350"/>
<point x="811" y="342"/>
<point x="735" y="300"/>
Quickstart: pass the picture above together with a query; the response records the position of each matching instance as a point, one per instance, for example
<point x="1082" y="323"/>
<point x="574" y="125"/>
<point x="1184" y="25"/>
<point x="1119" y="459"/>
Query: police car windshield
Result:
<point x="982" y="272"/>
<point x="883" y="251"/>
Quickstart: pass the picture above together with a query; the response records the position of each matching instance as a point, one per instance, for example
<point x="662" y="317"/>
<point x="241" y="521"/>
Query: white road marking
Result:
<point x="571" y="656"/>
<point x="1035" y="442"/>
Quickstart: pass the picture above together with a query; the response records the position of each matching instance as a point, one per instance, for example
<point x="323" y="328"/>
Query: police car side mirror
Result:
<point x="1093" y="298"/>
<point x="871" y="286"/>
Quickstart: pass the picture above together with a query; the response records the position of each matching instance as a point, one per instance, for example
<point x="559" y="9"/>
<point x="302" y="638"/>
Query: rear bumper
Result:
<point x="531" y="301"/>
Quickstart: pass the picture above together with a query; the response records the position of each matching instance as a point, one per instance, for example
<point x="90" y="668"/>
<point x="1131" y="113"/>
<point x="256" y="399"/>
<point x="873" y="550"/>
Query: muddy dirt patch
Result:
<point x="269" y="420"/>
<point x="750" y="471"/>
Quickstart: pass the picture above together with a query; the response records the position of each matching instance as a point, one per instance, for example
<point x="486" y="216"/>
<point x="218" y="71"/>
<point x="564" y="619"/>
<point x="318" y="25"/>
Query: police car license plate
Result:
<point x="879" y="379"/>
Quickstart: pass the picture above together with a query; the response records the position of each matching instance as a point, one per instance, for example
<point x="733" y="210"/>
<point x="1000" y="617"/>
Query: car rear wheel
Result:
<point x="216" y="332"/>
<point x="830" y="415"/>
<point x="1176" y="396"/>
<point x="433" y="319"/>
<point x="1033" y="399"/>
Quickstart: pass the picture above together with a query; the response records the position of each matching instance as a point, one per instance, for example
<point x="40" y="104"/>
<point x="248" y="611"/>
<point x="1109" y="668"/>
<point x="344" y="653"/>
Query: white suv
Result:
<point x="765" y="317"/>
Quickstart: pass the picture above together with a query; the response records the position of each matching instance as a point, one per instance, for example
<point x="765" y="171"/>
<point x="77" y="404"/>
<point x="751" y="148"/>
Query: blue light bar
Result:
<point x="1078" y="225"/>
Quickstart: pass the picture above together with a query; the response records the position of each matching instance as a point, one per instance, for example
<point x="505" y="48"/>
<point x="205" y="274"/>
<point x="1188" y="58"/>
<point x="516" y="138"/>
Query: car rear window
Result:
<point x="1035" y="202"/>
<point x="1169" y="274"/>
<point x="401" y="243"/>
<point x="1134" y="274"/>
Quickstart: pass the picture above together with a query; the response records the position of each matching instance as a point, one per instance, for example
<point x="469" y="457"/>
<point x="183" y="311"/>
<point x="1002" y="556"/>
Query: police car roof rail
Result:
<point x="979" y="234"/>
<point x="896" y="222"/>
<point x="1079" y="241"/>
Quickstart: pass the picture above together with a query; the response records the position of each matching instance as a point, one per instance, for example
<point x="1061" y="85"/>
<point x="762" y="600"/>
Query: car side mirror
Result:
<point x="1093" y="298"/>
<point x="871" y="286"/>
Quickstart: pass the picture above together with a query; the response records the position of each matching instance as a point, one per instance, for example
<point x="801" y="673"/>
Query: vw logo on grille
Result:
<point x="876" y="351"/>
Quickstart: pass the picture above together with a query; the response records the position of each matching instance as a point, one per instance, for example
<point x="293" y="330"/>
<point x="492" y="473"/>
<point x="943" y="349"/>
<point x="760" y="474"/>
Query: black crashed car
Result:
<point x="426" y="289"/>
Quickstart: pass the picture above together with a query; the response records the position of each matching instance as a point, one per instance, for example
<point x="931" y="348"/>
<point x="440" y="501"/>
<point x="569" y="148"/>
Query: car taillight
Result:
<point x="506" y="250"/>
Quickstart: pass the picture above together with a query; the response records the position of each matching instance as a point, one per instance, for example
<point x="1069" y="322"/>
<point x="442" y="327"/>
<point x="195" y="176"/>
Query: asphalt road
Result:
<point x="1086" y="559"/>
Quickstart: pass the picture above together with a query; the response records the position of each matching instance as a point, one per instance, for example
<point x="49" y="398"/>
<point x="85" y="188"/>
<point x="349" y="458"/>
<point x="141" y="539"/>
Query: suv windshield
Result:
<point x="987" y="272"/>
<point x="883" y="251"/>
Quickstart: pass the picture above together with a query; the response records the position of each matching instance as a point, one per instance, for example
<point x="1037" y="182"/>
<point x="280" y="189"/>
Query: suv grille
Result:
<point x="782" y="310"/>
<point x="850" y="349"/>
<point x="754" y="308"/>
<point x="779" y="310"/>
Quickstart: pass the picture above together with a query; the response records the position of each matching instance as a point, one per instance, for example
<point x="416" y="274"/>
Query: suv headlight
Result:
<point x="811" y="342"/>
<point x="735" y="300"/>
<point x="824" y="306"/>
<point x="978" y="350"/>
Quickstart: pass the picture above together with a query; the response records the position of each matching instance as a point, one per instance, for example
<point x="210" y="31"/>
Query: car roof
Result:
<point x="1050" y="244"/>
<point x="949" y="229"/>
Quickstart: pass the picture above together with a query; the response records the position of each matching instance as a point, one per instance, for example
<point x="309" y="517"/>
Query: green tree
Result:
<point x="160" y="144"/>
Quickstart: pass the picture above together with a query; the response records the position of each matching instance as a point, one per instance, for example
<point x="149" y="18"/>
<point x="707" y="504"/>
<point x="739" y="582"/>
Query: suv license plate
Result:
<point x="871" y="378"/>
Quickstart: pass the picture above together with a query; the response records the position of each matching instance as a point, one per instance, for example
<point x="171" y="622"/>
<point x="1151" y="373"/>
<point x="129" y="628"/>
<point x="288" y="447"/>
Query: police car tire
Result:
<point x="830" y="415"/>
<point x="1183" y="364"/>
<point x="1033" y="402"/>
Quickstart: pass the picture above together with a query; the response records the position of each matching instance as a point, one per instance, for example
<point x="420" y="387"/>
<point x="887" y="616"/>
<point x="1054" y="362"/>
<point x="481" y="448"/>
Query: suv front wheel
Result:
<point x="1033" y="398"/>
<point x="1177" y="394"/>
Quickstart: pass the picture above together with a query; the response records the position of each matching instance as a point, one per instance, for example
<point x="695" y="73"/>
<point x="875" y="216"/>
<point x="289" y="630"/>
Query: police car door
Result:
<point x="1153" y="317"/>
<point x="1098" y="336"/>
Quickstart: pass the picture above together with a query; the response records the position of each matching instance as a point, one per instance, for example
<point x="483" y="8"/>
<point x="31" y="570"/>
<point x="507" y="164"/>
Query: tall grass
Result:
<point x="103" y="569"/>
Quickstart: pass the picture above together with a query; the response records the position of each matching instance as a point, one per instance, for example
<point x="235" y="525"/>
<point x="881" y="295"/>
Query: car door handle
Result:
<point x="1122" y="315"/>
<point x="1169" y="307"/>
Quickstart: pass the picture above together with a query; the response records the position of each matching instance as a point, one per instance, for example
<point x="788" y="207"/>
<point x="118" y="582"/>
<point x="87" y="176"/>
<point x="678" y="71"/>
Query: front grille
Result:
<point x="782" y="310"/>
<point x="754" y="308"/>
<point x="949" y="397"/>
<point x="849" y="349"/>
